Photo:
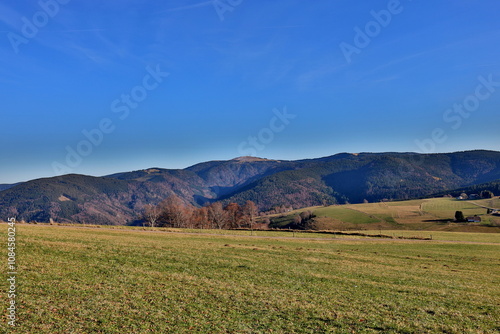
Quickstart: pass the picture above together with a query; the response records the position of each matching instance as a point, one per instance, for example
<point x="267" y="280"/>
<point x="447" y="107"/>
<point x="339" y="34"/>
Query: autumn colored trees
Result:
<point x="173" y="212"/>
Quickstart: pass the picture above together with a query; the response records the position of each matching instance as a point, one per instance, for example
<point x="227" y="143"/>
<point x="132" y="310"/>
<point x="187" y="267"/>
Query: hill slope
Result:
<point x="374" y="177"/>
<point x="493" y="186"/>
<point x="118" y="198"/>
<point x="7" y="186"/>
<point x="430" y="214"/>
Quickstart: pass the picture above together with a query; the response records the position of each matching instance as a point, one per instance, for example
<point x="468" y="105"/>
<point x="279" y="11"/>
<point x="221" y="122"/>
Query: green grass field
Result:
<point x="91" y="280"/>
<point x="434" y="214"/>
<point x="344" y="213"/>
<point x="442" y="207"/>
<point x="493" y="203"/>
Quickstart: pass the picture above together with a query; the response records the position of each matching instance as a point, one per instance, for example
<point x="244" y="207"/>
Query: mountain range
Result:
<point x="118" y="199"/>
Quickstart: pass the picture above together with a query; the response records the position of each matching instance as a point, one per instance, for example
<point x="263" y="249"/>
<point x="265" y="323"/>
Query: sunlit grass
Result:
<point x="78" y="280"/>
<point x="434" y="214"/>
<point x="344" y="213"/>
<point x="442" y="235"/>
<point x="446" y="207"/>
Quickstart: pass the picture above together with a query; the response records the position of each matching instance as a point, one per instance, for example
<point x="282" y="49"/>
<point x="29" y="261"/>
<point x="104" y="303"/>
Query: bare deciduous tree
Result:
<point x="200" y="218"/>
<point x="217" y="216"/>
<point x="172" y="212"/>
<point x="250" y="211"/>
<point x="151" y="214"/>
<point x="234" y="214"/>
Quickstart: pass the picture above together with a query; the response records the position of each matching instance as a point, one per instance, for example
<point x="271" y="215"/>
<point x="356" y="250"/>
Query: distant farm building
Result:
<point x="474" y="219"/>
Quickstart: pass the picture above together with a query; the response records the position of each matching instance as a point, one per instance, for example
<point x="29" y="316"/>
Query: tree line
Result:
<point x="173" y="212"/>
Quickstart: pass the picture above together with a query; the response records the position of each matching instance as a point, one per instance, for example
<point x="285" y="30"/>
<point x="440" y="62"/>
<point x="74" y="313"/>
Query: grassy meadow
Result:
<point x="99" y="280"/>
<point x="434" y="214"/>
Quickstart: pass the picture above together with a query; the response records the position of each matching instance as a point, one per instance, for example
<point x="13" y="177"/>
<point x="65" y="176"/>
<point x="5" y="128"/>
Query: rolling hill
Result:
<point x="430" y="214"/>
<point x="341" y="178"/>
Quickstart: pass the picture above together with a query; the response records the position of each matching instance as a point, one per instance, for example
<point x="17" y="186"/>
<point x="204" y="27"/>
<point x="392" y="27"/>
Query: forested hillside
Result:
<point x="342" y="178"/>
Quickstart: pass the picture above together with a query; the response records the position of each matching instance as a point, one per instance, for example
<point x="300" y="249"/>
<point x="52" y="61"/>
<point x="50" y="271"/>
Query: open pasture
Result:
<point x="83" y="280"/>
<point x="425" y="214"/>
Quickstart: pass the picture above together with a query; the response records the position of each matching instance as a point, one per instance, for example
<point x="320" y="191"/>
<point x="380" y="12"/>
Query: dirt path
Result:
<point x="482" y="206"/>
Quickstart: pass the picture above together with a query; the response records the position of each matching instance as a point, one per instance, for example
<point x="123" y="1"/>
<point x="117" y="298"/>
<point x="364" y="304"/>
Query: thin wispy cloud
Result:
<point x="193" y="6"/>
<point x="462" y="43"/>
<point x="281" y="27"/>
<point x="307" y="79"/>
<point x="399" y="60"/>
<point x="88" y="53"/>
<point x="264" y="55"/>
<point x="386" y="79"/>
<point x="78" y="30"/>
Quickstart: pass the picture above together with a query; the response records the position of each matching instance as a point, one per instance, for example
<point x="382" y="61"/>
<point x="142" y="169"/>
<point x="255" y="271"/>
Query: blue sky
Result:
<point x="212" y="80"/>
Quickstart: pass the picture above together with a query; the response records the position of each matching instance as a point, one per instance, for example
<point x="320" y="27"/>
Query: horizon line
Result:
<point x="252" y="157"/>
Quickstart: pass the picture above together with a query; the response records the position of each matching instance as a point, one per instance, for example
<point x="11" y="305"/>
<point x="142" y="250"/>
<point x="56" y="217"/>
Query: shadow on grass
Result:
<point x="439" y="221"/>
